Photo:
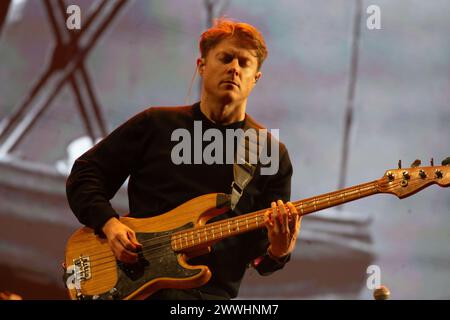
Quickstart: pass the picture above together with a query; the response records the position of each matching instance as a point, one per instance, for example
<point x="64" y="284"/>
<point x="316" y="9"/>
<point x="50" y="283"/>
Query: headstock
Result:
<point x="404" y="182"/>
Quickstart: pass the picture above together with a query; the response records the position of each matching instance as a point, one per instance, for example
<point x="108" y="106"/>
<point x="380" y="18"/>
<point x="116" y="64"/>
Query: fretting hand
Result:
<point x="283" y="224"/>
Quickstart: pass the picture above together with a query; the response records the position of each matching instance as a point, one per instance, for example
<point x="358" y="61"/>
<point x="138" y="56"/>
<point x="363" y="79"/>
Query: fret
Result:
<point x="193" y="237"/>
<point x="350" y="192"/>
<point x="174" y="245"/>
<point x="359" y="193"/>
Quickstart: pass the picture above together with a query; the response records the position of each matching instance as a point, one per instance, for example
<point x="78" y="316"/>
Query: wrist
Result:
<point x="108" y="224"/>
<point x="276" y="257"/>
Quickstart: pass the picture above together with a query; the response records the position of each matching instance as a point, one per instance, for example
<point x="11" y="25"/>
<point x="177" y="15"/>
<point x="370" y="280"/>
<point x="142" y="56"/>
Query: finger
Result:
<point x="267" y="220"/>
<point x="292" y="208"/>
<point x="275" y="221"/>
<point x="294" y="216"/>
<point x="298" y="223"/>
<point x="126" y="243"/>
<point x="121" y="253"/>
<point x="132" y="237"/>
<point x="127" y="251"/>
<point x="128" y="257"/>
<point x="296" y="226"/>
<point x="289" y="219"/>
<point x="289" y="213"/>
<point x="298" y="217"/>
<point x="283" y="216"/>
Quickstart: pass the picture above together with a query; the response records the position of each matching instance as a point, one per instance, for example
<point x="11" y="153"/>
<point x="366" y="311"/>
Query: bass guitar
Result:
<point x="169" y="240"/>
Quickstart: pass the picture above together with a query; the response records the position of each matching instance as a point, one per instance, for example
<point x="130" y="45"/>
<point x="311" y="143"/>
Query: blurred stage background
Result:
<point x="144" y="54"/>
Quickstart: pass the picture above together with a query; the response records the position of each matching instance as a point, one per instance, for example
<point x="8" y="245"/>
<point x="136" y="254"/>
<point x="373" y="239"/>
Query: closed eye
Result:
<point x="226" y="58"/>
<point x="244" y="62"/>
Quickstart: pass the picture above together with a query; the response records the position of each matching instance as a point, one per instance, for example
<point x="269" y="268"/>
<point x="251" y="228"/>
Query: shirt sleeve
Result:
<point x="98" y="174"/>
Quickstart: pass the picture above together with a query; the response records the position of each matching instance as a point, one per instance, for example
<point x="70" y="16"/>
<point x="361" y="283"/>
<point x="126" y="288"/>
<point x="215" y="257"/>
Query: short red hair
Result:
<point x="224" y="28"/>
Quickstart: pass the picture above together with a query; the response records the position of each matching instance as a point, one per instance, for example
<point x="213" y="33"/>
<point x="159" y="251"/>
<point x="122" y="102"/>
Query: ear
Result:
<point x="201" y="65"/>
<point x="258" y="76"/>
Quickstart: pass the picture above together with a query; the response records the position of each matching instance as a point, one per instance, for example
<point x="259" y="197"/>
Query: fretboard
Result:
<point x="216" y="231"/>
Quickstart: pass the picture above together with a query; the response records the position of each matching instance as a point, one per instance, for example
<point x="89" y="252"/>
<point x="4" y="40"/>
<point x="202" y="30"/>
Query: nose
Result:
<point x="234" y="67"/>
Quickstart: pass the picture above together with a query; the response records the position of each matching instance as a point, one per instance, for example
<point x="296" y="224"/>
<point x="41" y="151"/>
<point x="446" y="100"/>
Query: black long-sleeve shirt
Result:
<point x="141" y="148"/>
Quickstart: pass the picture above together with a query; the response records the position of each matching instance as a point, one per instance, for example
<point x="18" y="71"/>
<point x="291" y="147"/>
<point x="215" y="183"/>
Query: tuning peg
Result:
<point x="432" y="162"/>
<point x="446" y="161"/>
<point x="399" y="164"/>
<point x="416" y="163"/>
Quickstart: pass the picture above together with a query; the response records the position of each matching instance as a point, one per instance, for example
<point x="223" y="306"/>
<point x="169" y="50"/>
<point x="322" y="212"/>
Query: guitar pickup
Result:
<point x="82" y="268"/>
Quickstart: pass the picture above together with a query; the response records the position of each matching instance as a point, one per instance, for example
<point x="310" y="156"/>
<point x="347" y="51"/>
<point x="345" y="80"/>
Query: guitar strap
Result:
<point x="249" y="148"/>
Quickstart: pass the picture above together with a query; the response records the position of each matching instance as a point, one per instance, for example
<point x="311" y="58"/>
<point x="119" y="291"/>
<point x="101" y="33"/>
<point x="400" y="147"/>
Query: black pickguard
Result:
<point x="153" y="263"/>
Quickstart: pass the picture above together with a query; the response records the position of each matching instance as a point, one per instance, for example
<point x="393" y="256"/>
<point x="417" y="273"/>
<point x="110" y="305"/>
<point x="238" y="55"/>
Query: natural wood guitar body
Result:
<point x="103" y="277"/>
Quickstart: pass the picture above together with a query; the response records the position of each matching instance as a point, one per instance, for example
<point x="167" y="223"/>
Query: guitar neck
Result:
<point x="213" y="232"/>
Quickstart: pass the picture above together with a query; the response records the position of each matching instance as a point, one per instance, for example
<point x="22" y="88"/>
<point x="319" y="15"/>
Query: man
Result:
<point x="142" y="148"/>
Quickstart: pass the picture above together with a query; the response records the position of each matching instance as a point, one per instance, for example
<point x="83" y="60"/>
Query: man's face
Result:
<point x="229" y="71"/>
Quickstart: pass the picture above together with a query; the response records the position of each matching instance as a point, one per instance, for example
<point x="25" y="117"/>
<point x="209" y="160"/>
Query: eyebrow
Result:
<point x="235" y="53"/>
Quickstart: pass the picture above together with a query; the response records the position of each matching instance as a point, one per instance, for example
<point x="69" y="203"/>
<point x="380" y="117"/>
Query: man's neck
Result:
<point x="222" y="113"/>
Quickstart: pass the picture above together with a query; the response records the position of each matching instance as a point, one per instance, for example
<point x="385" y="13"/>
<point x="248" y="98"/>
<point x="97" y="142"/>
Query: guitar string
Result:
<point x="153" y="244"/>
<point x="158" y="245"/>
<point x="237" y="223"/>
<point x="155" y="247"/>
<point x="149" y="250"/>
<point x="172" y="253"/>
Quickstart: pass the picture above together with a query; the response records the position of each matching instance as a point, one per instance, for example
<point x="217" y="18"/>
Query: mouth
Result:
<point x="230" y="82"/>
